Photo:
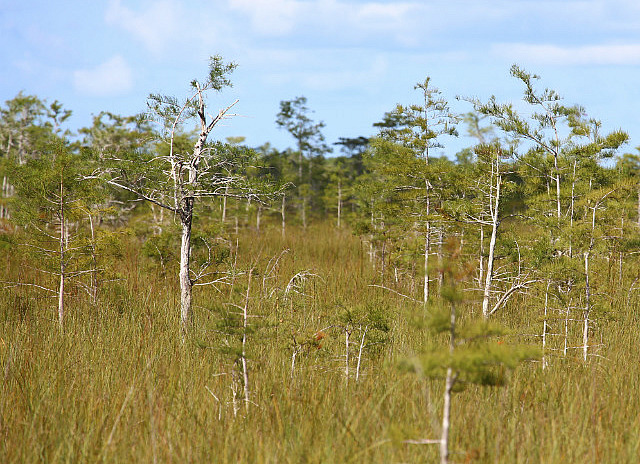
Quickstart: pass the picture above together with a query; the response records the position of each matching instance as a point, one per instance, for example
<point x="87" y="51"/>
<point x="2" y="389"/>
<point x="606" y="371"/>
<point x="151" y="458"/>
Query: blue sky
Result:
<point x="353" y="60"/>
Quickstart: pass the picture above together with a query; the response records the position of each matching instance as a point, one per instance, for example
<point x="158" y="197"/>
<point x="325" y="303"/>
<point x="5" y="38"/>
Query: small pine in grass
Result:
<point x="474" y="353"/>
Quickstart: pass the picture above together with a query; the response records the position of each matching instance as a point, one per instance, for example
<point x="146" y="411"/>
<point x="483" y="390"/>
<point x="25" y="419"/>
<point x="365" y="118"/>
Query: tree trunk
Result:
<point x="440" y="275"/>
<point x="224" y="204"/>
<point x="448" y="388"/>
<point x="492" y="247"/>
<point x="573" y="187"/>
<point x="94" y="262"/>
<point x="245" y="372"/>
<point x="481" y="264"/>
<point x="544" y="326"/>
<point x="557" y="179"/>
<point x="587" y="310"/>
<point x="62" y="258"/>
<point x="639" y="206"/>
<point x="427" y="242"/>
<point x="185" y="257"/>
<point x="347" y="334"/>
<point x="282" y="211"/>
<point x="427" y="246"/>
<point x="304" y="212"/>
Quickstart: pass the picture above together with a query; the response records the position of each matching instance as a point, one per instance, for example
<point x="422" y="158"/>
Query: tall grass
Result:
<point x="119" y="385"/>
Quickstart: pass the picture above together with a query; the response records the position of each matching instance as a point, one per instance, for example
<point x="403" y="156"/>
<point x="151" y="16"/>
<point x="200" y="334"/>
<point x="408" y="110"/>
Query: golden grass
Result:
<point x="120" y="386"/>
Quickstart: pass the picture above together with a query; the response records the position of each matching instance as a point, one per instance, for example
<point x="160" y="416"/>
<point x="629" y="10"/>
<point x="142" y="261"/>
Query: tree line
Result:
<point x="541" y="193"/>
<point x="540" y="204"/>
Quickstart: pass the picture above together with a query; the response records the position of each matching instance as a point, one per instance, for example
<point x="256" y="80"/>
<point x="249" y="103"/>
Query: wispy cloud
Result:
<point x="332" y="19"/>
<point x="271" y="17"/>
<point x="156" y="25"/>
<point x="325" y="74"/>
<point x="623" y="54"/>
<point x="113" y="77"/>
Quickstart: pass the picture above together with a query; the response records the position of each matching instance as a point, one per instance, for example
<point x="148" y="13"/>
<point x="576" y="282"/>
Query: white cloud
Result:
<point x="156" y="25"/>
<point x="270" y="17"/>
<point x="113" y="77"/>
<point x="332" y="18"/>
<point x="628" y="54"/>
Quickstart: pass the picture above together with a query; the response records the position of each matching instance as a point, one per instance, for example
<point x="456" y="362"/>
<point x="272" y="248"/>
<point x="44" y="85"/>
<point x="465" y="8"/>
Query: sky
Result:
<point x="353" y="60"/>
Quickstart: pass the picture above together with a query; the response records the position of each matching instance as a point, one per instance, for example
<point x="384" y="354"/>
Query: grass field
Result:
<point x="121" y="385"/>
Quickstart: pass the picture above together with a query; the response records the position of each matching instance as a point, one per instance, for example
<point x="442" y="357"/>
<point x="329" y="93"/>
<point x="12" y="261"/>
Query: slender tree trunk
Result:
<point x="620" y="265"/>
<point x="245" y="372"/>
<point x="62" y="259"/>
<point x="94" y="263"/>
<point x="185" y="257"/>
<point x="364" y="334"/>
<point x="347" y="334"/>
<point x="4" y="213"/>
<point x="567" y="313"/>
<point x="247" y="210"/>
<point x="558" y="205"/>
<point x="587" y="309"/>
<point x="573" y="186"/>
<point x="481" y="265"/>
<point x="224" y="204"/>
<point x="304" y="212"/>
<point x="440" y="275"/>
<point x="544" y="326"/>
<point x="492" y="247"/>
<point x="282" y="211"/>
<point x="427" y="242"/>
<point x="448" y="388"/>
<point x="427" y="247"/>
<point x="638" y="206"/>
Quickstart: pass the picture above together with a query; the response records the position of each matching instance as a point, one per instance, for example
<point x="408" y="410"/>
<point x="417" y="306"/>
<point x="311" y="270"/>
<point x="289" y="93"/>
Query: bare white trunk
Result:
<point x="4" y="212"/>
<point x="446" y="417"/>
<point x="566" y="329"/>
<point x="481" y="264"/>
<point x="440" y="274"/>
<point x="585" y="328"/>
<point x="185" y="279"/>
<point x="621" y="263"/>
<point x="224" y="204"/>
<point x="245" y="372"/>
<point x="492" y="246"/>
<point x="544" y="327"/>
<point x="639" y="206"/>
<point x="573" y="187"/>
<point x="94" y="263"/>
<point x="282" y="210"/>
<point x="347" y="334"/>
<point x="61" y="299"/>
<point x="364" y="334"/>
<point x="557" y="179"/>
<point x="427" y="247"/>
<point x="293" y="360"/>
<point x="448" y="388"/>
<point x="62" y="258"/>
<point x="304" y="212"/>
